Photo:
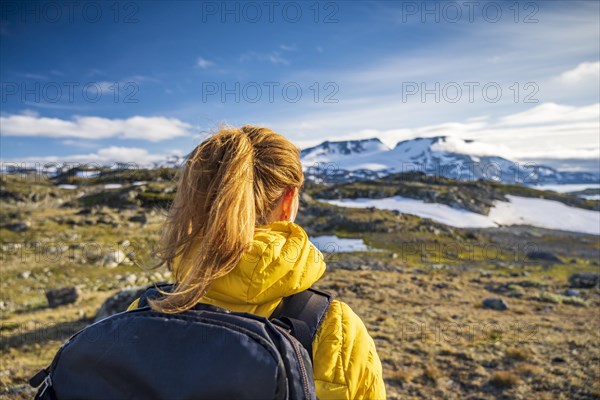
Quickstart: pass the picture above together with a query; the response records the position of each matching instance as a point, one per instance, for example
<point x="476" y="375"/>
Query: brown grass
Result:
<point x="431" y="372"/>
<point x="529" y="370"/>
<point x="504" y="379"/>
<point x="402" y="376"/>
<point x="519" y="354"/>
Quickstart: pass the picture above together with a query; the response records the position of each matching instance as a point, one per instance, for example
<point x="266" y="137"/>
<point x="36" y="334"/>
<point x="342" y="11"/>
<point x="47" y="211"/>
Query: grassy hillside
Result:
<point x="476" y="196"/>
<point x="420" y="290"/>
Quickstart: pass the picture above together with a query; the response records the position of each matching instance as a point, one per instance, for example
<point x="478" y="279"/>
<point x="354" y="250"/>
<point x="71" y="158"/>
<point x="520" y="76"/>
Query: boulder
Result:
<point x="130" y="279"/>
<point x="115" y="258"/>
<point x="60" y="296"/>
<point x="541" y="255"/>
<point x="141" y="218"/>
<point x="19" y="226"/>
<point x="119" y="302"/>
<point x="584" y="280"/>
<point x="494" y="303"/>
<point x="24" y="274"/>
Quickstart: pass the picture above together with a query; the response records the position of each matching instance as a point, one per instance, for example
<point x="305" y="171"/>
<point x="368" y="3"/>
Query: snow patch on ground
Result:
<point x="517" y="211"/>
<point x="567" y="187"/>
<point x="437" y="212"/>
<point x="111" y="186"/>
<point x="545" y="214"/>
<point x="334" y="244"/>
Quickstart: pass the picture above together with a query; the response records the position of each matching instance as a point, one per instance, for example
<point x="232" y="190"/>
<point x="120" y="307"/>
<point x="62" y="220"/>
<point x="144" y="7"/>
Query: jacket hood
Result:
<point x="280" y="261"/>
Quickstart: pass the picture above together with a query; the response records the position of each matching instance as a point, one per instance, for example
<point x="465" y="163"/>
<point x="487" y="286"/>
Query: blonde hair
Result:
<point x="229" y="184"/>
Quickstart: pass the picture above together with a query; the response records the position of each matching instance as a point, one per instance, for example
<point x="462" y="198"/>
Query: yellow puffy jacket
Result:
<point x="283" y="262"/>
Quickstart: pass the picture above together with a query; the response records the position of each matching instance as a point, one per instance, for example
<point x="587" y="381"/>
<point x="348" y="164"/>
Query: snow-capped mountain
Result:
<point x="342" y="149"/>
<point x="351" y="160"/>
<point x="172" y="161"/>
<point x="359" y="159"/>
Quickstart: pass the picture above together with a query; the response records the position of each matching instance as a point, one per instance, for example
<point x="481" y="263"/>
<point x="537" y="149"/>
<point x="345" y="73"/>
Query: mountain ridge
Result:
<point x="372" y="158"/>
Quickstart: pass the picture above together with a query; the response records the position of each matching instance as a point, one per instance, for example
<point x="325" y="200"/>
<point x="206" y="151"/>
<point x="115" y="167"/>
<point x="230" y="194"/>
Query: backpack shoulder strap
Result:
<point x="152" y="292"/>
<point x="303" y="313"/>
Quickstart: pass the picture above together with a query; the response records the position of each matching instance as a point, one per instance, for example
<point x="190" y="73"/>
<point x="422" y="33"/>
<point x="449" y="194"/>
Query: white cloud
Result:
<point x="88" y="127"/>
<point x="204" y="63"/>
<point x="80" y="143"/>
<point x="457" y="145"/>
<point x="104" y="156"/>
<point x="586" y="71"/>
<point x="546" y="131"/>
<point x="33" y="76"/>
<point x="273" y="57"/>
<point x="549" y="113"/>
<point x="288" y="48"/>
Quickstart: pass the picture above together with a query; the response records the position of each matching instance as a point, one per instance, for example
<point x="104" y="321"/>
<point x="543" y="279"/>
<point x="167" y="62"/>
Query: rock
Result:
<point x="584" y="280"/>
<point x="19" y="226"/>
<point x="119" y="302"/>
<point x="11" y="247"/>
<point x="105" y="219"/>
<point x="115" y="258"/>
<point x="493" y="303"/>
<point x="305" y="198"/>
<point x="543" y="256"/>
<point x="60" y="296"/>
<point x="156" y="277"/>
<point x="471" y="235"/>
<point x="109" y="264"/>
<point x="3" y="305"/>
<point x="129" y="195"/>
<point x="131" y="279"/>
<point x="572" y="293"/>
<point x="141" y="218"/>
<point x="142" y="280"/>
<point x="24" y="274"/>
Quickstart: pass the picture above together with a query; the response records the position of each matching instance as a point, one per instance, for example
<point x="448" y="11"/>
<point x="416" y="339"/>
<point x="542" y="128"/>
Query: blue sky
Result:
<point x="312" y="71"/>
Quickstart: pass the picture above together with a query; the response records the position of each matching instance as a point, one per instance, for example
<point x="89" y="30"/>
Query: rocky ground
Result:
<point x="455" y="313"/>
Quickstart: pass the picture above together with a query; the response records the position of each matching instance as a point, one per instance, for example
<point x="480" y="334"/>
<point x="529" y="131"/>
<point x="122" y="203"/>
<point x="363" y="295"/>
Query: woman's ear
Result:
<point x="289" y="207"/>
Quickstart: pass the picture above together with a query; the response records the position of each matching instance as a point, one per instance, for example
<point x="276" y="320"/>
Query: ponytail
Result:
<point x="227" y="186"/>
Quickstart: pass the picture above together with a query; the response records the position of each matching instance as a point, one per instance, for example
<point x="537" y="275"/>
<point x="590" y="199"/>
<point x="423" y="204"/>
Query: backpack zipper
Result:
<point x="47" y="383"/>
<point x="300" y="360"/>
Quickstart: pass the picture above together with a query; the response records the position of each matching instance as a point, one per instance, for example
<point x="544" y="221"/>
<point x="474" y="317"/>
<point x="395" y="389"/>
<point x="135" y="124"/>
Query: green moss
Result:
<point x="561" y="299"/>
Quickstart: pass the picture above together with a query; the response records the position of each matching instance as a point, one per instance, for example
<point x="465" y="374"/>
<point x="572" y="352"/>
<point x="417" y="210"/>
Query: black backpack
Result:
<point x="204" y="353"/>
